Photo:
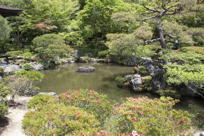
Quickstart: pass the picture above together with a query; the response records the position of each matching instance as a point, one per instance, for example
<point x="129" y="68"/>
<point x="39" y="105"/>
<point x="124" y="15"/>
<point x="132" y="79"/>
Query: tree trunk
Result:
<point x="161" y="34"/>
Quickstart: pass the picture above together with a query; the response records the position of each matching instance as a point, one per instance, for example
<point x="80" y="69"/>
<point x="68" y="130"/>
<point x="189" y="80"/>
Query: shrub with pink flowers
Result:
<point x="59" y="120"/>
<point x="90" y="101"/>
<point x="149" y="117"/>
<point x="87" y="113"/>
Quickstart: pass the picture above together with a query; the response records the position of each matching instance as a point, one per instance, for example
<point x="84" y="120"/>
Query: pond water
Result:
<point x="66" y="78"/>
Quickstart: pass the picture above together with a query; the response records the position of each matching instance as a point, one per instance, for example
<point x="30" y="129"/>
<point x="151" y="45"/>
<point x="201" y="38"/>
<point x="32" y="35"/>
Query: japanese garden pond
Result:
<point x="66" y="78"/>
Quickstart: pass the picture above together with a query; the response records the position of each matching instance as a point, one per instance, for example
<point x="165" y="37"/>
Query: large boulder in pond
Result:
<point x="86" y="69"/>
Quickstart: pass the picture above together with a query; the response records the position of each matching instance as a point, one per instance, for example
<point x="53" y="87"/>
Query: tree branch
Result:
<point x="151" y="41"/>
<point x="151" y="9"/>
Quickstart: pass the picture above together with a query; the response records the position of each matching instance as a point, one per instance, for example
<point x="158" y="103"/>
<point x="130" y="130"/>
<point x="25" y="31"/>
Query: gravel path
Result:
<point x="15" y="117"/>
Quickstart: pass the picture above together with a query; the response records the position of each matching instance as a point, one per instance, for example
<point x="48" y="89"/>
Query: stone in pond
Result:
<point x="86" y="69"/>
<point x="47" y="93"/>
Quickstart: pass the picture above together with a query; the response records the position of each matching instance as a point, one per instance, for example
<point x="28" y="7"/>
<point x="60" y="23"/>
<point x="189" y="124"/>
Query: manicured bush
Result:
<point x="126" y="49"/>
<point x="58" y="120"/>
<point x="183" y="57"/>
<point x="31" y="75"/>
<point x="196" y="49"/>
<point x="149" y="117"/>
<point x="49" y="46"/>
<point x="185" y="74"/>
<point x="39" y="101"/>
<point x="88" y="100"/>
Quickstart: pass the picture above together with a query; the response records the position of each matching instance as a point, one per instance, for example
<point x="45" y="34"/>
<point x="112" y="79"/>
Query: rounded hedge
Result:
<point x="88" y="100"/>
<point x="149" y="117"/>
<point x="58" y="120"/>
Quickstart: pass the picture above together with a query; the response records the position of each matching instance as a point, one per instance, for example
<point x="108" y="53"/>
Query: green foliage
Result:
<point x="27" y="66"/>
<point x="31" y="75"/>
<point x="1" y="71"/>
<point x="196" y="49"/>
<point x="14" y="54"/>
<point x="185" y="74"/>
<point x="52" y="15"/>
<point x="25" y="54"/>
<point x="124" y="48"/>
<point x="144" y="32"/>
<point x="4" y="91"/>
<point x="39" y="101"/>
<point x="95" y="17"/>
<point x="5" y="30"/>
<point x="23" y="82"/>
<point x="183" y="57"/>
<point x="49" y="46"/>
<point x="147" y="83"/>
<point x="197" y="35"/>
<point x="103" y="54"/>
<point x="58" y="119"/>
<point x="120" y="80"/>
<point x="179" y="31"/>
<point x="3" y="109"/>
<point x="13" y="3"/>
<point x="88" y="100"/>
<point x="74" y="39"/>
<point x="169" y="93"/>
<point x="154" y="117"/>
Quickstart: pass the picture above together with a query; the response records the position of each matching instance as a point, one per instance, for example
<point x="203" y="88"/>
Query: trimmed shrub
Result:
<point x="185" y="74"/>
<point x="88" y="100"/>
<point x="196" y="49"/>
<point x="39" y="101"/>
<point x="49" y="46"/>
<point x="58" y="120"/>
<point x="183" y="57"/>
<point x="150" y="117"/>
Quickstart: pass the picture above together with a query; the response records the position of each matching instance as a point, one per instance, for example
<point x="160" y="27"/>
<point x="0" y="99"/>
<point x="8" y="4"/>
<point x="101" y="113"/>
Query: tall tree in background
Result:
<point x="5" y="30"/>
<point x="160" y="10"/>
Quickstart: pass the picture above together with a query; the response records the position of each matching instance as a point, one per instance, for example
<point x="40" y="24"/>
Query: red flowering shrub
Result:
<point x="89" y="101"/>
<point x="59" y="120"/>
<point x="150" y="117"/>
